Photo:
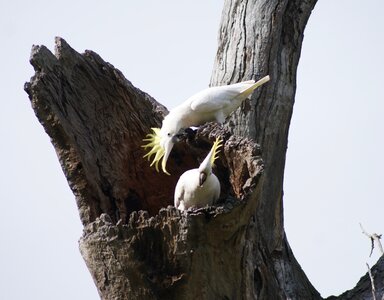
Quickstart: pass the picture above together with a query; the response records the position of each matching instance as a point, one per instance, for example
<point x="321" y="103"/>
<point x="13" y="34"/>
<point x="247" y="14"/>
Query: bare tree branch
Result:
<point x="374" y="237"/>
<point x="372" y="282"/>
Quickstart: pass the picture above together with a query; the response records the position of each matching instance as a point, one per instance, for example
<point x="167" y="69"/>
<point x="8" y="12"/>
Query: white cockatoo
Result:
<point x="199" y="187"/>
<point x="209" y="105"/>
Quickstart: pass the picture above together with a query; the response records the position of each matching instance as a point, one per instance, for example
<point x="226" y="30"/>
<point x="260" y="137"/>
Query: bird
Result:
<point x="212" y="104"/>
<point x="199" y="187"/>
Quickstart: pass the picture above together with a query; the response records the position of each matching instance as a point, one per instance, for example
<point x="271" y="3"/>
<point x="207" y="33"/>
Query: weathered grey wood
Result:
<point x="257" y="38"/>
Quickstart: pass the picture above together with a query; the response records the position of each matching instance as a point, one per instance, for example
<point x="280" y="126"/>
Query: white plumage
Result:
<point x="211" y="104"/>
<point x="199" y="187"/>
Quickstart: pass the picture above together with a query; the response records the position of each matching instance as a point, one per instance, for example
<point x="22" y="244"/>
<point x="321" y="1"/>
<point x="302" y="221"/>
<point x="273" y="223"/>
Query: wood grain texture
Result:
<point x="97" y="120"/>
<point x="258" y="38"/>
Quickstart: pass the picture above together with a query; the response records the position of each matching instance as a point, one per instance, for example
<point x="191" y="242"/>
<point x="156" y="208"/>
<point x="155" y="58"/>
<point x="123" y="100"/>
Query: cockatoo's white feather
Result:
<point x="199" y="187"/>
<point x="218" y="97"/>
<point x="209" y="105"/>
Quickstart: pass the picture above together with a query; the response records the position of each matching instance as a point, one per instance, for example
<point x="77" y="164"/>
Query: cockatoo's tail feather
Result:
<point x="258" y="83"/>
<point x="153" y="140"/>
<point x="215" y="150"/>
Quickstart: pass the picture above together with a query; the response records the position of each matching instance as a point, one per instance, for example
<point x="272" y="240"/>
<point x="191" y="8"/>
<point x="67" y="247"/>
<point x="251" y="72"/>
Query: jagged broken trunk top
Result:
<point x="96" y="120"/>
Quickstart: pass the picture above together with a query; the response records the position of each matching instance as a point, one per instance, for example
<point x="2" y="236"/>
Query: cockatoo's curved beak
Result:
<point x="167" y="146"/>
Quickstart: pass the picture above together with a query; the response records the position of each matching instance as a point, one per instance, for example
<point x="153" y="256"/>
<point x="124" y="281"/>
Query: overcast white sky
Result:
<point x="335" y="158"/>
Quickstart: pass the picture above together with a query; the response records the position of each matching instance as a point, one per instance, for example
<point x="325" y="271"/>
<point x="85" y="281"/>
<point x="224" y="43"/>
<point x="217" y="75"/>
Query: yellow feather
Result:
<point x="215" y="150"/>
<point x="153" y="144"/>
<point x="158" y="156"/>
<point x="153" y="140"/>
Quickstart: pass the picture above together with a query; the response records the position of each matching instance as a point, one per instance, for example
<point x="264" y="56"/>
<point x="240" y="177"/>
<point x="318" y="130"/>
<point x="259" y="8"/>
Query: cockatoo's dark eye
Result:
<point x="169" y="134"/>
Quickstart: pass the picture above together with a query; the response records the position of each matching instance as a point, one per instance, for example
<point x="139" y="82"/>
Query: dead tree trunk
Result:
<point x="135" y="245"/>
<point x="258" y="38"/>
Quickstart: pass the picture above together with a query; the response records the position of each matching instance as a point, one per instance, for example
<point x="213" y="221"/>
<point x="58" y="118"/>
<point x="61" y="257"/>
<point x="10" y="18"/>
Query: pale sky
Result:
<point x="166" y="48"/>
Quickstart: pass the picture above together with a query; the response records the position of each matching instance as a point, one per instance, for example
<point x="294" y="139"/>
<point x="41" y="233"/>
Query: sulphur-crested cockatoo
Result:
<point x="209" y="105"/>
<point x="199" y="187"/>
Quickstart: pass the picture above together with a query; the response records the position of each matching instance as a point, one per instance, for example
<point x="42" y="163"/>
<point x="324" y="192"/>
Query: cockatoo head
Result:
<point x="161" y="142"/>
<point x="205" y="168"/>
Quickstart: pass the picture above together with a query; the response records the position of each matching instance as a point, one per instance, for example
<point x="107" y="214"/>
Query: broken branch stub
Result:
<point x="132" y="237"/>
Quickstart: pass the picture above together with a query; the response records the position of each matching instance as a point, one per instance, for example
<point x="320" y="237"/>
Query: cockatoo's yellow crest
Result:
<point x="153" y="140"/>
<point x="215" y="150"/>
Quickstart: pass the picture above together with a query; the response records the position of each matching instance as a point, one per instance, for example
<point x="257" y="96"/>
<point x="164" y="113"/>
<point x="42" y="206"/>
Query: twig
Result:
<point x="374" y="237"/>
<point x="372" y="283"/>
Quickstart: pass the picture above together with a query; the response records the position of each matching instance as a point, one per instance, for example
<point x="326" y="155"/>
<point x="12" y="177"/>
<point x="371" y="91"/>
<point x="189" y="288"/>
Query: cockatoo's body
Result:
<point x="199" y="187"/>
<point x="209" y="105"/>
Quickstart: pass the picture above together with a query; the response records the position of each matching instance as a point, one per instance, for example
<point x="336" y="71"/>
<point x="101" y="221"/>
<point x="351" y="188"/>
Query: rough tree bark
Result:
<point x="135" y="244"/>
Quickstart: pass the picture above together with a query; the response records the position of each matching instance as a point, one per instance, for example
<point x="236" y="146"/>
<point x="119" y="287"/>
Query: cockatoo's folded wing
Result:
<point x="212" y="100"/>
<point x="216" y="98"/>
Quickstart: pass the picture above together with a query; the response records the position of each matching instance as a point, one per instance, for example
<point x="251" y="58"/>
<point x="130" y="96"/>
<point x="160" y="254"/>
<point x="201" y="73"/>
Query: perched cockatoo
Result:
<point x="209" y="105"/>
<point x="199" y="187"/>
